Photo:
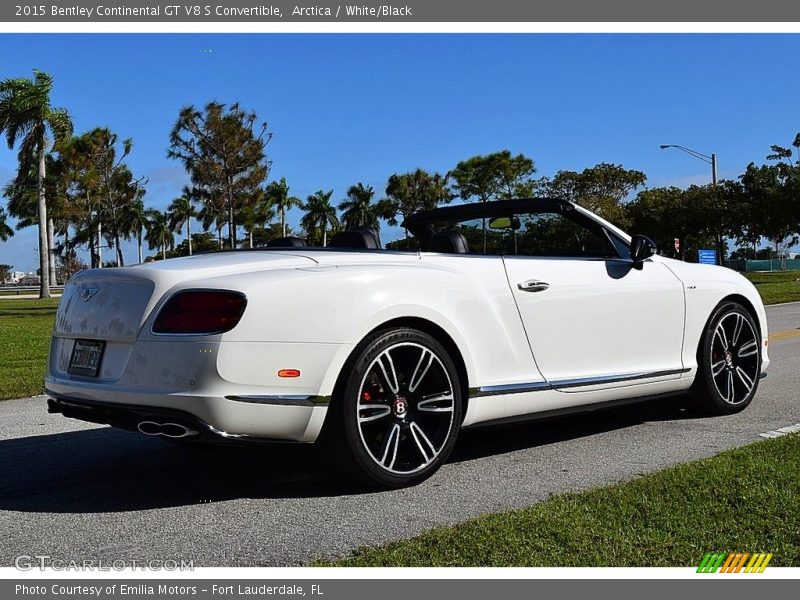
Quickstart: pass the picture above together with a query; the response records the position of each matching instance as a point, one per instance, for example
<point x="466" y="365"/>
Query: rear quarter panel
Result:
<point x="338" y="306"/>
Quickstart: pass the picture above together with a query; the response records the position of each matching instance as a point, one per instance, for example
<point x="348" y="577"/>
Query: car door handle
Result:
<point x="533" y="285"/>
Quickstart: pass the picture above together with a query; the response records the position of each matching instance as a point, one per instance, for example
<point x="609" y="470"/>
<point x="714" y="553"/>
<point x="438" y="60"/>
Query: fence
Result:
<point x="777" y="264"/>
<point x="19" y="290"/>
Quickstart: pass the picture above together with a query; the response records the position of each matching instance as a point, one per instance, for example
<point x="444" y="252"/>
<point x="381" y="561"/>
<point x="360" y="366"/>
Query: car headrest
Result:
<point x="450" y="242"/>
<point x="286" y="242"/>
<point x="357" y="238"/>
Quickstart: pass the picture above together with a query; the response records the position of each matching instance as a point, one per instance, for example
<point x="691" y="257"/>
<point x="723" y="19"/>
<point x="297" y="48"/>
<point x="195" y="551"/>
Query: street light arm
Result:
<point x="695" y="153"/>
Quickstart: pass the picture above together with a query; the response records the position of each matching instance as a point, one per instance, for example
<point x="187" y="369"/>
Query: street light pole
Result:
<point x="712" y="160"/>
<point x="714" y="169"/>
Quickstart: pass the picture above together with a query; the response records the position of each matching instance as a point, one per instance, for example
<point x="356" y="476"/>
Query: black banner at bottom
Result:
<point x="391" y="589"/>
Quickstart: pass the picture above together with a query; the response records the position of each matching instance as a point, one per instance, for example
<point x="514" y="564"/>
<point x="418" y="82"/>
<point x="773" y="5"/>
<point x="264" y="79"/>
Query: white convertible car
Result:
<point x="510" y="309"/>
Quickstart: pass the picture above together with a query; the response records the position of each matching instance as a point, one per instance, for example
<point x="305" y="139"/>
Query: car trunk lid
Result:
<point x="113" y="304"/>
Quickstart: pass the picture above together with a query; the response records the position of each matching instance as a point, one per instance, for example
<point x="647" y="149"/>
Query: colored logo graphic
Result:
<point x="734" y="562"/>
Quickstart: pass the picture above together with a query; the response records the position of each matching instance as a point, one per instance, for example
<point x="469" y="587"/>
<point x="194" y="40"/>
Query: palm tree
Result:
<point x="257" y="212"/>
<point x="5" y="231"/>
<point x="25" y="112"/>
<point x="159" y="233"/>
<point x="136" y="221"/>
<point x="80" y="167"/>
<point x="181" y="211"/>
<point x="319" y="214"/>
<point x="278" y="196"/>
<point x="358" y="208"/>
<point x="213" y="212"/>
<point x="23" y="201"/>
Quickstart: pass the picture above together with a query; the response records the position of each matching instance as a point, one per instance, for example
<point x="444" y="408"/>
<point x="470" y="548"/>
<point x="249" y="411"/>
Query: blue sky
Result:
<point x="349" y="108"/>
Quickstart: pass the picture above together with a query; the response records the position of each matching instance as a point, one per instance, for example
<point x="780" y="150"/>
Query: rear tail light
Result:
<point x="200" y="312"/>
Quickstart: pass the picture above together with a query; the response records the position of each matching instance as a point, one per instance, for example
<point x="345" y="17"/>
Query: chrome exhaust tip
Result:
<point x="170" y="430"/>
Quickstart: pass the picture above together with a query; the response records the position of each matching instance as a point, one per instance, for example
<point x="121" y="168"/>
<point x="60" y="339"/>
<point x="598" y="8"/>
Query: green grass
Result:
<point x="778" y="286"/>
<point x="25" y="327"/>
<point x="746" y="500"/>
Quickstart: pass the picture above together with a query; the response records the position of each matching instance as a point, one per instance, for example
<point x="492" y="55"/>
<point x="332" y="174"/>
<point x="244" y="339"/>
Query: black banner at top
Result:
<point x="473" y="11"/>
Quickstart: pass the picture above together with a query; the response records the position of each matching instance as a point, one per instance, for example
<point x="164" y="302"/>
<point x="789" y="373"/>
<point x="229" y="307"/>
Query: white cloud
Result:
<point x="681" y="182"/>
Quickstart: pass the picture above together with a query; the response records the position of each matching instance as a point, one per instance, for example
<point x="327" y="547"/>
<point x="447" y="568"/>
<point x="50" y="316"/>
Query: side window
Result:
<point x="554" y="234"/>
<point x="532" y="234"/>
<point x="479" y="236"/>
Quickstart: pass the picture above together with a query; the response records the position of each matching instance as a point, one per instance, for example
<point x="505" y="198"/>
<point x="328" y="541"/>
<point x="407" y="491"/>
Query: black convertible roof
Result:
<point x="476" y="210"/>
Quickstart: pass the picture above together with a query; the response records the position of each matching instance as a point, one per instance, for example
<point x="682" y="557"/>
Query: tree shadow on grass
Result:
<point x="27" y="313"/>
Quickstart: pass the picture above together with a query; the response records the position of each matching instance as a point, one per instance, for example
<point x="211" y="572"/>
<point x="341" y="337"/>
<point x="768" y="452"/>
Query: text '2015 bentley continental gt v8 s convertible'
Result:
<point x="496" y="311"/>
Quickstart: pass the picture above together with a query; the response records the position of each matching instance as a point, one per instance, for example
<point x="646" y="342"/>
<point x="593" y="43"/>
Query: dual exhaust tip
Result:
<point x="169" y="430"/>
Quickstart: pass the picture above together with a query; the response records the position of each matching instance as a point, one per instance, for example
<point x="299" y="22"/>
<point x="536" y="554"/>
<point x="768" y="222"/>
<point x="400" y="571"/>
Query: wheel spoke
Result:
<point x="421" y="369"/>
<point x="716" y="368"/>
<point x="723" y="337"/>
<point x="377" y="411"/>
<point x="423" y="443"/>
<point x="390" y="447"/>
<point x="390" y="375"/>
<point x="730" y="394"/>
<point x="748" y="349"/>
<point x="737" y="329"/>
<point x="745" y="378"/>
<point x="436" y="403"/>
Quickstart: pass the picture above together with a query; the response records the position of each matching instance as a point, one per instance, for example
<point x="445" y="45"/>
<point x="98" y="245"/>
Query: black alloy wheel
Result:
<point x="397" y="418"/>
<point x="729" y="361"/>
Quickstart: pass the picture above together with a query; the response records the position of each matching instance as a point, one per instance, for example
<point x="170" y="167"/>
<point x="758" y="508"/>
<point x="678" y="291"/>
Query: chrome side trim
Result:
<point x="283" y="400"/>
<point x="538" y="386"/>
<point x="512" y="388"/>
<point x="585" y="381"/>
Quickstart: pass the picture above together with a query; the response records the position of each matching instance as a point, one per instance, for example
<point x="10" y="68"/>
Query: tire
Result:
<point x="729" y="361"/>
<point x="395" y="419"/>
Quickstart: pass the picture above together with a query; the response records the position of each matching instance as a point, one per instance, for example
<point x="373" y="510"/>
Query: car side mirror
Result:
<point x="642" y="248"/>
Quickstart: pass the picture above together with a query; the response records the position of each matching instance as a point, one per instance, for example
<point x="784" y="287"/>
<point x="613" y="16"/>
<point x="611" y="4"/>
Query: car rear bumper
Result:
<point x="259" y="418"/>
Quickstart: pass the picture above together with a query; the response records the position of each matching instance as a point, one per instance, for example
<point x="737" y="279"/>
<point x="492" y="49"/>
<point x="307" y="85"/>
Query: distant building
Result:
<point x="14" y="277"/>
<point x="29" y="279"/>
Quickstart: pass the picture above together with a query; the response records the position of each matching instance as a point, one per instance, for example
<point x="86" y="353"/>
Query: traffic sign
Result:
<point x="707" y="257"/>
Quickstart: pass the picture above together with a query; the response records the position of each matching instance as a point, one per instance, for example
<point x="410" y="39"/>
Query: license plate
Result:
<point x="86" y="356"/>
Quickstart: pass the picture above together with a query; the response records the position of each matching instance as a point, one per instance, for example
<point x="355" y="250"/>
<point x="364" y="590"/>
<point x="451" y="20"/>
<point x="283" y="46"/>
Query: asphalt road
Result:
<point x="76" y="491"/>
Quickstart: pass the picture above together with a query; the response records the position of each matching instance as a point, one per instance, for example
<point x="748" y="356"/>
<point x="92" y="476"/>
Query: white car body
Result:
<point x="593" y="337"/>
